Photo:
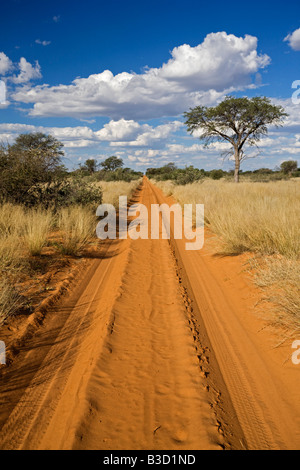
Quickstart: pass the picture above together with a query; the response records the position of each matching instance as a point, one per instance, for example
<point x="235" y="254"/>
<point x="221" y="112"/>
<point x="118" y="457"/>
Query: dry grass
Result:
<point x="37" y="225"/>
<point x="22" y="231"/>
<point x="20" y="234"/>
<point x="10" y="254"/>
<point x="11" y="220"/>
<point x="280" y="281"/>
<point x="11" y="225"/>
<point x="256" y="217"/>
<point x="10" y="300"/>
<point x="23" y="235"/>
<point x="77" y="226"/>
<point x="261" y="218"/>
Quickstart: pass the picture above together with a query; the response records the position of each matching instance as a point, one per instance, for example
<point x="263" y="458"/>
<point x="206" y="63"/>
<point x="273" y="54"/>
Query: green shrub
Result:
<point x="120" y="174"/>
<point x="216" y="174"/>
<point x="63" y="193"/>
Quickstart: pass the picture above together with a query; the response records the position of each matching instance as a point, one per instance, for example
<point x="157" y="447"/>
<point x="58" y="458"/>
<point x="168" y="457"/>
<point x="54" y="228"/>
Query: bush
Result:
<point x="63" y="194"/>
<point x="120" y="174"/>
<point x="188" y="175"/>
<point x="216" y="174"/>
<point x="170" y="172"/>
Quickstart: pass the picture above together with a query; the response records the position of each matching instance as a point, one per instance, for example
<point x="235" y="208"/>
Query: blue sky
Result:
<point x="113" y="78"/>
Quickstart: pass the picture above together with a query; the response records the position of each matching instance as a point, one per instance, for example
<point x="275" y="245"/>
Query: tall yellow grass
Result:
<point x="11" y="226"/>
<point x="37" y="225"/>
<point x="10" y="300"/>
<point x="11" y="220"/>
<point x="280" y="280"/>
<point x="257" y="217"/>
<point x="77" y="226"/>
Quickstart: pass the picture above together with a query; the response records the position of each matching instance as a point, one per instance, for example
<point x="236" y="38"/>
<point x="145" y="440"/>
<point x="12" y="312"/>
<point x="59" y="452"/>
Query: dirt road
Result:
<point x="146" y="351"/>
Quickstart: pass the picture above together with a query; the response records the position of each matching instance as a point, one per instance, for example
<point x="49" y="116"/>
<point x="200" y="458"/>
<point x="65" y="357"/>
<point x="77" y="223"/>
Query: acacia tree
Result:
<point x="238" y="121"/>
<point x="112" y="163"/>
<point x="90" y="165"/>
<point x="42" y="150"/>
<point x="289" y="166"/>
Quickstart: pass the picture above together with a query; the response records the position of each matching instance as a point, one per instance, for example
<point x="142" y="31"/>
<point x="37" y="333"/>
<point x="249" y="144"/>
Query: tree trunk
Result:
<point x="237" y="167"/>
<point x="236" y="175"/>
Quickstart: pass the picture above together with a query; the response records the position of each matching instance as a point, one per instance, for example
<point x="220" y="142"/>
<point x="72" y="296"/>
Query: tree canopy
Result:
<point x="112" y="163"/>
<point x="31" y="160"/>
<point x="237" y="121"/>
<point x="44" y="150"/>
<point x="90" y="166"/>
<point x="288" y="167"/>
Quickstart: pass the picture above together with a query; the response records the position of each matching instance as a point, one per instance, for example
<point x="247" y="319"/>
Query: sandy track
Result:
<point x="52" y="368"/>
<point x="145" y="352"/>
<point x="114" y="366"/>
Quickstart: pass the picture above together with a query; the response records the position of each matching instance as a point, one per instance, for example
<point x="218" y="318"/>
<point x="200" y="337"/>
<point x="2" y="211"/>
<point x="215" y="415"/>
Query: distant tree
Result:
<point x="238" y="121"/>
<point x="263" y="171"/>
<point x="179" y="175"/>
<point x="120" y="174"/>
<point x="90" y="165"/>
<point x="112" y="163"/>
<point x="169" y="167"/>
<point x="288" y="167"/>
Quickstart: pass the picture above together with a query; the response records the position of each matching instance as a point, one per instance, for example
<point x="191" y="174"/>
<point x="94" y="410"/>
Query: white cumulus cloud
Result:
<point x="5" y="64"/>
<point x="27" y="72"/>
<point x="294" y="40"/>
<point x="120" y="133"/>
<point x="121" y="130"/>
<point x="193" y="75"/>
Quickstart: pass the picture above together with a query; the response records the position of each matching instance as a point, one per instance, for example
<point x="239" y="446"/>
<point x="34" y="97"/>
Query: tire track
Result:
<point x="147" y="391"/>
<point x="31" y="416"/>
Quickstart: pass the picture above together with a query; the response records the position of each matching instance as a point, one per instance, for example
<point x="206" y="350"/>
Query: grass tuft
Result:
<point x="77" y="225"/>
<point x="37" y="225"/>
<point x="10" y="300"/>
